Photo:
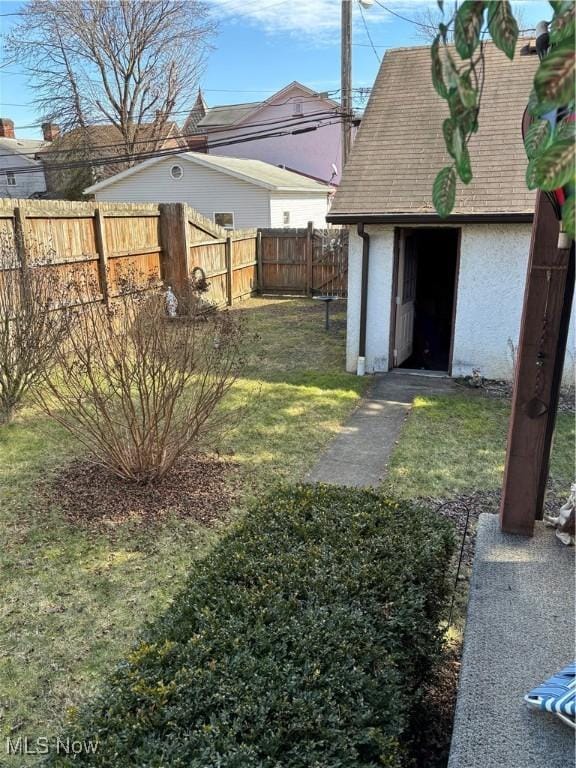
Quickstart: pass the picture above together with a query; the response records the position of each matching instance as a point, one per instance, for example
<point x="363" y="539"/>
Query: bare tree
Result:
<point x="427" y="18"/>
<point x="31" y="325"/>
<point x="127" y="63"/>
<point x="139" y="389"/>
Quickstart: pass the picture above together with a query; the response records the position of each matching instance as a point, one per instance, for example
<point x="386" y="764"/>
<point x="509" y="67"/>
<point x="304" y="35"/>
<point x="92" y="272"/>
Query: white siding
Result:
<point x="206" y="190"/>
<point x="302" y="209"/>
<point x="490" y="294"/>
<point x="27" y="184"/>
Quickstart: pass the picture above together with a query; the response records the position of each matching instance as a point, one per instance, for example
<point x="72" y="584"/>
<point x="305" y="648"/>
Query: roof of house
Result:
<point x="399" y="147"/>
<point x="252" y="171"/>
<point x="108" y="140"/>
<point x="22" y="147"/>
<point x="203" y="118"/>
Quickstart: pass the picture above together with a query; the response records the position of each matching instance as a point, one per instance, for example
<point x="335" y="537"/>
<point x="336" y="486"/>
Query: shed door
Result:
<point x="405" y="300"/>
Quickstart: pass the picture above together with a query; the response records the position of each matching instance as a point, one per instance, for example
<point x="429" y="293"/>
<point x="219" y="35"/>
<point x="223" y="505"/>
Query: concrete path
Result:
<point x="519" y="632"/>
<point x="358" y="455"/>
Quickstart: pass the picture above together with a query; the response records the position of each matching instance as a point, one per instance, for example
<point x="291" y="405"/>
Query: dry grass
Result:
<point x="74" y="596"/>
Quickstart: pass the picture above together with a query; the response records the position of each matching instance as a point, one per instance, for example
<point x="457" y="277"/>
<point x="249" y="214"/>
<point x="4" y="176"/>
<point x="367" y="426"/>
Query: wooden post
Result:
<point x="20" y="235"/>
<point x="309" y="258"/>
<point x="259" y="281"/>
<point x="100" y="236"/>
<point x="175" y="245"/>
<point x="229" y="270"/>
<point x="541" y="350"/>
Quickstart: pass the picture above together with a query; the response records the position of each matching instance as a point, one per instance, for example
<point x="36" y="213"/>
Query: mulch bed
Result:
<point x="503" y="390"/>
<point x="199" y="487"/>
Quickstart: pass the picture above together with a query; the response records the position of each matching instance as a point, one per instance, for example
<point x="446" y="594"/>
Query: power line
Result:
<point x="284" y="122"/>
<point x="116" y="159"/>
<point x="368" y="35"/>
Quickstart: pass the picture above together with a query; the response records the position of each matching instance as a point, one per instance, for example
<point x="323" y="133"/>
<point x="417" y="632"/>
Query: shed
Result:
<point x="231" y="191"/>
<point x="438" y="294"/>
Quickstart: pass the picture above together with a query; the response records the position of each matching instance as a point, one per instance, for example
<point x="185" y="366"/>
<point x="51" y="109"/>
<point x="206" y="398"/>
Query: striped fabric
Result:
<point x="557" y="695"/>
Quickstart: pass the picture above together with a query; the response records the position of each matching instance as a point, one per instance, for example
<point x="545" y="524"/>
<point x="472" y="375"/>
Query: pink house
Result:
<point x="300" y="130"/>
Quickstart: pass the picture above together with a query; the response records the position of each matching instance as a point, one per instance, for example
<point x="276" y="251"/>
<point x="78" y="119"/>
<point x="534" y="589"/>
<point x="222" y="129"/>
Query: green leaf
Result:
<point x="467" y="26"/>
<point x="450" y="131"/>
<point x="437" y="78"/>
<point x="503" y="27"/>
<point x="537" y="138"/>
<point x="531" y="182"/>
<point x="555" y="167"/>
<point x="554" y="80"/>
<point x="569" y="216"/>
<point x="563" y="26"/>
<point x="463" y="116"/>
<point x="468" y="94"/>
<point x="538" y="108"/>
<point x="444" y="191"/>
<point x="464" y="167"/>
<point x="565" y="129"/>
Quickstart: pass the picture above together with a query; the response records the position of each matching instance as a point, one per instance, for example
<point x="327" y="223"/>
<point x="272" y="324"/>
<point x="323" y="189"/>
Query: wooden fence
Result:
<point x="304" y="261"/>
<point x="106" y="242"/>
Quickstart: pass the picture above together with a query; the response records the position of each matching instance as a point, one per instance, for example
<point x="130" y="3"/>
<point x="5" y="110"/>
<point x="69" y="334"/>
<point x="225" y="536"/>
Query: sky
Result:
<point x="262" y="45"/>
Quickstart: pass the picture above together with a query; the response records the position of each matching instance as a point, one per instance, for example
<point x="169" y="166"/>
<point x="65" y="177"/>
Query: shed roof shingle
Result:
<point x="400" y="148"/>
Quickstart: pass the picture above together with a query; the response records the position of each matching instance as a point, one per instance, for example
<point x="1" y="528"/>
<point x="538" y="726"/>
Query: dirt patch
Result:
<point x="199" y="487"/>
<point x="432" y="726"/>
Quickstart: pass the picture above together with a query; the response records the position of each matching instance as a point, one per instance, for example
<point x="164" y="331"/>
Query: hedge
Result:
<point x="301" y="641"/>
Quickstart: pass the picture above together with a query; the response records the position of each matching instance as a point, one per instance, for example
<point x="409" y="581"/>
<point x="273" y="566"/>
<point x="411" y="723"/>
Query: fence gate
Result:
<point x="309" y="262"/>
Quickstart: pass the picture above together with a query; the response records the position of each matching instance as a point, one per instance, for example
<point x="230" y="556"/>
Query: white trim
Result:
<point x="194" y="157"/>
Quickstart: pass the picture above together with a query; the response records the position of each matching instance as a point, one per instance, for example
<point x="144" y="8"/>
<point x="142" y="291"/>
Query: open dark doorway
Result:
<point x="428" y="267"/>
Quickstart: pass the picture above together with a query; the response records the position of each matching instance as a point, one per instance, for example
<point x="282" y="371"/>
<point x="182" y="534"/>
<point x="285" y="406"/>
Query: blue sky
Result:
<point x="262" y="45"/>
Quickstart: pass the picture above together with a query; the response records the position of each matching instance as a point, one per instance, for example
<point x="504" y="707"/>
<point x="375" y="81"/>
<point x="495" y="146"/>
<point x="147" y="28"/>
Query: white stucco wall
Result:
<point x="490" y="293"/>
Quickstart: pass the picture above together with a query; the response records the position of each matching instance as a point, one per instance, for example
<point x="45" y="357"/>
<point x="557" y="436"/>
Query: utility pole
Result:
<point x="346" y="79"/>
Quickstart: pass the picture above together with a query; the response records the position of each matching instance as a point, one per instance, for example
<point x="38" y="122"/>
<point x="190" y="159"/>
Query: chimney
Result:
<point x="50" y="131"/>
<point x="6" y="128"/>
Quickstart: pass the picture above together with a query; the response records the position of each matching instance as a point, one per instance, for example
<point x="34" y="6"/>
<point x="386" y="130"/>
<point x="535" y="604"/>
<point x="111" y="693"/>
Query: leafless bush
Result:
<point x="31" y="324"/>
<point x="139" y="389"/>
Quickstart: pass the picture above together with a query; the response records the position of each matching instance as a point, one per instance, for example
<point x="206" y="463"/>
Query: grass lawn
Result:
<point x="74" y="597"/>
<point x="452" y="444"/>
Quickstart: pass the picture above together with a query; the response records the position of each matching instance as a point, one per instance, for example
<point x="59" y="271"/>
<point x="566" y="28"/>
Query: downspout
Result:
<point x="361" y="365"/>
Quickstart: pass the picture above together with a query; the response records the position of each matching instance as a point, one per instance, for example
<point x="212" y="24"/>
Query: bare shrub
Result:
<point x="33" y="323"/>
<point x="139" y="389"/>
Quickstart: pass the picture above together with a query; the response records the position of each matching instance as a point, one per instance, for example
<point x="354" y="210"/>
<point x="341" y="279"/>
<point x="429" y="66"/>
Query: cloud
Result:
<point x="318" y="19"/>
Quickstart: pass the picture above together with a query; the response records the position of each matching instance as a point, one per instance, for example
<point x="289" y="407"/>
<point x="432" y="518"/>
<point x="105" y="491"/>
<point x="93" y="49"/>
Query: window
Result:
<point x="225" y="220"/>
<point x="176" y="172"/>
<point x="297" y="107"/>
<point x="10" y="179"/>
<point x="286" y="218"/>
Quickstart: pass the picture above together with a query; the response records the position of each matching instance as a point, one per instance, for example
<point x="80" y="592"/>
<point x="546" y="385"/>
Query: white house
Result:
<point x="297" y="128"/>
<point x="21" y="174"/>
<point x="233" y="192"/>
<point x="423" y="292"/>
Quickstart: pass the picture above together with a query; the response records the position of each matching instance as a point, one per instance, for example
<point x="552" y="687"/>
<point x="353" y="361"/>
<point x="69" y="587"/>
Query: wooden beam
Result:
<point x="541" y="350"/>
<point x="100" y="237"/>
<point x="175" y="245"/>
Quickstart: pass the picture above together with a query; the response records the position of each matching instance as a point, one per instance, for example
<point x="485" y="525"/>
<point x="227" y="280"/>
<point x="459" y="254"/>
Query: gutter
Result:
<point x="361" y="364"/>
<point x="429" y="218"/>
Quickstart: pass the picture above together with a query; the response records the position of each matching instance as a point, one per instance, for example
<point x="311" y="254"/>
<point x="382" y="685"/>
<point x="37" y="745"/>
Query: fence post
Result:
<point x="175" y="245"/>
<point x="100" y="236"/>
<point x="20" y="235"/>
<point x="229" y="270"/>
<point x="259" y="285"/>
<point x="309" y="254"/>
